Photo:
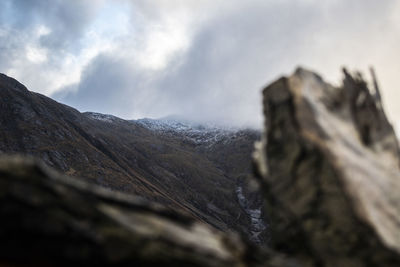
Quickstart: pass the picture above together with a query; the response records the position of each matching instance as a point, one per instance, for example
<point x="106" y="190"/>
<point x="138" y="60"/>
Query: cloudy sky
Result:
<point x="200" y="59"/>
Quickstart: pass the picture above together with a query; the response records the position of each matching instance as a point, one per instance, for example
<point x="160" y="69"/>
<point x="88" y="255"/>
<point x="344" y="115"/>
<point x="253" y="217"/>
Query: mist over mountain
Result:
<point x="203" y="60"/>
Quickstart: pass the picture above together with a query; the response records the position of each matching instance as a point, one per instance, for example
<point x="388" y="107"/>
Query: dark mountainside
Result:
<point x="199" y="170"/>
<point x="328" y="163"/>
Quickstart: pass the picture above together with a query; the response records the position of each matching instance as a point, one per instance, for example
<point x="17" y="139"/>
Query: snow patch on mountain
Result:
<point x="194" y="132"/>
<point x="101" y="117"/>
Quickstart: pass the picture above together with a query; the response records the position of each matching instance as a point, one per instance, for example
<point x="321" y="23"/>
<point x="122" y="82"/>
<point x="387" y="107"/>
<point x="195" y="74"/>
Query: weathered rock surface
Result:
<point x="329" y="163"/>
<point x="50" y="219"/>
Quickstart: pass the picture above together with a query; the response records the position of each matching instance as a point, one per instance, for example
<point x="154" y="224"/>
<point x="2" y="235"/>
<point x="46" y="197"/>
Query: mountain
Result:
<point x="200" y="170"/>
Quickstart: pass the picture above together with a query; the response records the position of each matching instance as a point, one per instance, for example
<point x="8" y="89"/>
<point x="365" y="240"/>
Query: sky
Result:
<point x="203" y="60"/>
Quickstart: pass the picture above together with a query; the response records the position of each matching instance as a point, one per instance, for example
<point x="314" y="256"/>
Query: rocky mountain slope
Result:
<point x="199" y="170"/>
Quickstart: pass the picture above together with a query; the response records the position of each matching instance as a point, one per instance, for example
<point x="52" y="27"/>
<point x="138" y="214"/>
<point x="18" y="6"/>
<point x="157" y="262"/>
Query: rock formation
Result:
<point x="329" y="163"/>
<point x="48" y="219"/>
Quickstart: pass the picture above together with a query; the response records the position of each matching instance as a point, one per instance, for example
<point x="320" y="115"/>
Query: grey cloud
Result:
<point x="19" y="22"/>
<point x="236" y="54"/>
<point x="229" y="62"/>
<point x="105" y="86"/>
<point x="66" y="19"/>
<point x="218" y="78"/>
<point x="237" y="50"/>
<point x="110" y="86"/>
<point x="232" y="56"/>
<point x="11" y="46"/>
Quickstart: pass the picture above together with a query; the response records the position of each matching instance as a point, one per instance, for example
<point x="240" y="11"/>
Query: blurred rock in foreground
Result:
<point x="51" y="219"/>
<point x="329" y="164"/>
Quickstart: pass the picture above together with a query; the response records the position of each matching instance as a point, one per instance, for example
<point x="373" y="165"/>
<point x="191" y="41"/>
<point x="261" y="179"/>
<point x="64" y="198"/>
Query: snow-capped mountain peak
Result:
<point x="191" y="131"/>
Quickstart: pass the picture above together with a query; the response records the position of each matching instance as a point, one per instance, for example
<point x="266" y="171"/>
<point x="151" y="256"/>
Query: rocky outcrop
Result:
<point x="49" y="219"/>
<point x="329" y="165"/>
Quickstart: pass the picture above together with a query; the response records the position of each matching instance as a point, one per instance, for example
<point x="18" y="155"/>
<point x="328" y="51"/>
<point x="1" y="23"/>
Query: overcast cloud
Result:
<point x="203" y="60"/>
